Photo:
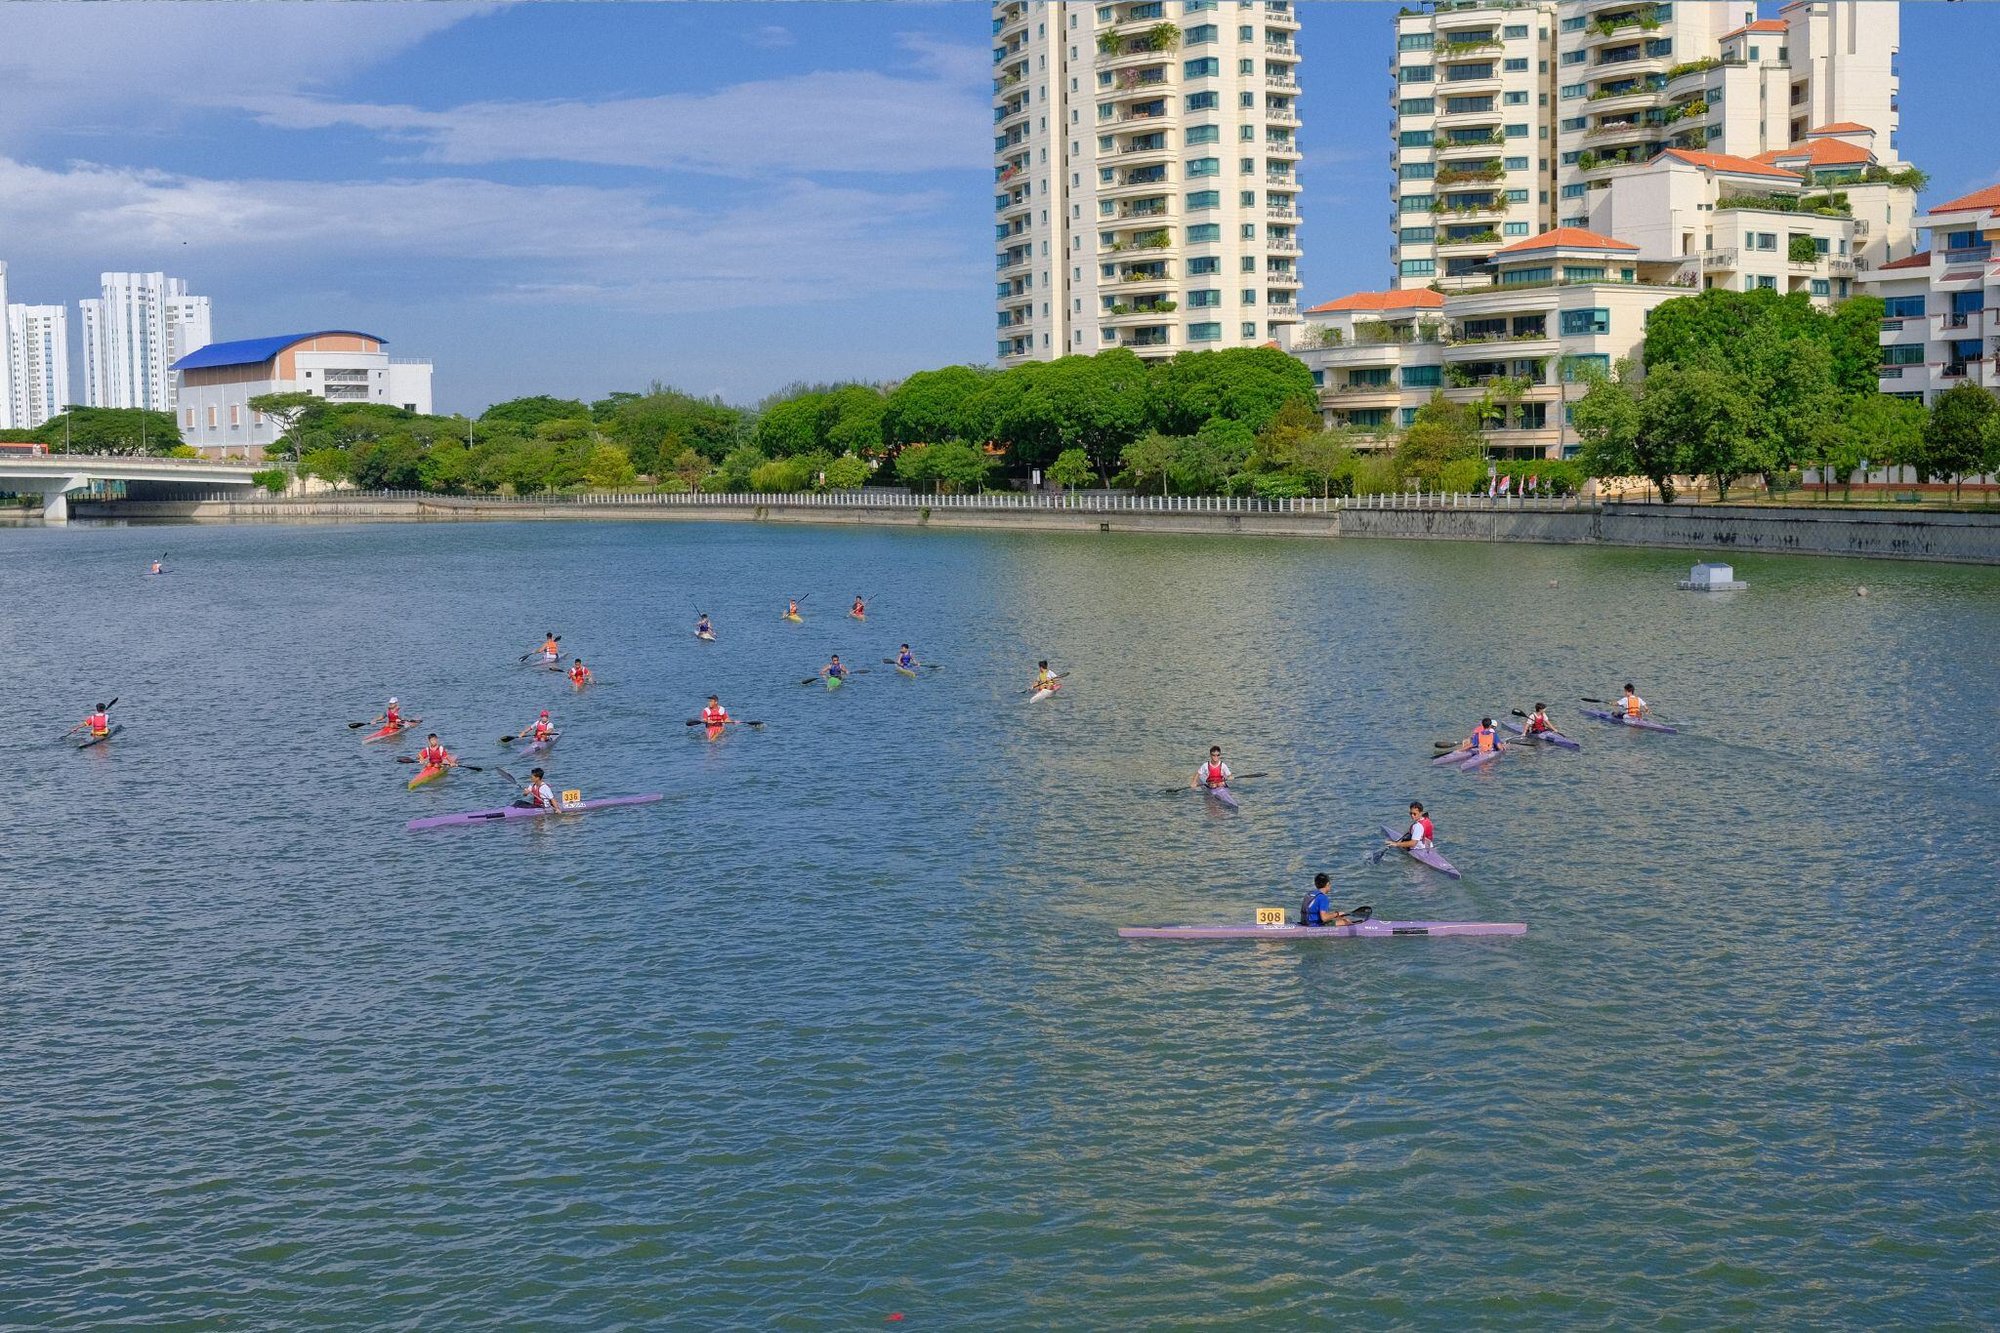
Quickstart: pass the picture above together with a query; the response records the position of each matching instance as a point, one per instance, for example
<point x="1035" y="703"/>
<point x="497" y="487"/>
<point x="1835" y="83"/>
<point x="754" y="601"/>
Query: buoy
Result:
<point x="1861" y="591"/>
<point x="1552" y="583"/>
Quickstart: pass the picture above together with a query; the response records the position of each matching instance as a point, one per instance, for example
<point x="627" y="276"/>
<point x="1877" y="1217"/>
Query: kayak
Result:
<point x="89" y="741"/>
<point x="576" y="684"/>
<point x="1222" y="796"/>
<point x="1555" y="738"/>
<point x="539" y="747"/>
<point x="1642" y="723"/>
<point x="833" y="682"/>
<point x="428" y="773"/>
<point x="907" y="671"/>
<point x="530" y="811"/>
<point x="1360" y="930"/>
<point x="1464" y="760"/>
<point x="1040" y="695"/>
<point x="857" y="615"/>
<point x="385" y="731"/>
<point x="1422" y="855"/>
<point x="795" y="619"/>
<point x="715" y="730"/>
<point x="705" y="638"/>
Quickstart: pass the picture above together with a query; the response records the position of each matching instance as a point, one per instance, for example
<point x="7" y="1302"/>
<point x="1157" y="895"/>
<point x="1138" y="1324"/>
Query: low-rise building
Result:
<point x="217" y="382"/>
<point x="1557" y="305"/>
<point x="1940" y="325"/>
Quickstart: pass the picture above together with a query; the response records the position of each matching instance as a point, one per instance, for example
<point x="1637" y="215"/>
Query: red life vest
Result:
<point x="1537" y="725"/>
<point x="1424" y="823"/>
<point x="392" y="718"/>
<point x="538" y="795"/>
<point x="1482" y="739"/>
<point x="99" y="723"/>
<point x="1215" y="775"/>
<point x="716" y="714"/>
<point x="542" y="730"/>
<point x="433" y="756"/>
<point x="579" y="674"/>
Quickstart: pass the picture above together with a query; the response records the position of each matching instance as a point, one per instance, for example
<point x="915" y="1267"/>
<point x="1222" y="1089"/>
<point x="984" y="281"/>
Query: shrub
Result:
<point x="271" y="479"/>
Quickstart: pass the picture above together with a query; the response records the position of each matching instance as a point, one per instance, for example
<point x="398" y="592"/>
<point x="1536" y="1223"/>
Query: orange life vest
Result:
<point x="1482" y="739"/>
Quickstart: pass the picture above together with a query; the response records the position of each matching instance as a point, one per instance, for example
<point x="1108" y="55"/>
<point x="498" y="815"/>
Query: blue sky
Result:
<point x="578" y="198"/>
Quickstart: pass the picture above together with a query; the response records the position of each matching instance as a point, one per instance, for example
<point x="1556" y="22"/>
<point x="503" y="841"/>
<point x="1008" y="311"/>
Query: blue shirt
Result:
<point x="1317" y="909"/>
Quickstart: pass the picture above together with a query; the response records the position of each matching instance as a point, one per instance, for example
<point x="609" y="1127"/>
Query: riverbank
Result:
<point x="1886" y="533"/>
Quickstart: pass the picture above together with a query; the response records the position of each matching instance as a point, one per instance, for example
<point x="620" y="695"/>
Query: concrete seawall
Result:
<point x="1714" y="529"/>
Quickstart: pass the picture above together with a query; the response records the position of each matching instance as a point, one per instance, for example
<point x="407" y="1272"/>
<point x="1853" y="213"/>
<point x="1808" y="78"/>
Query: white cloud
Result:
<point x="771" y="36"/>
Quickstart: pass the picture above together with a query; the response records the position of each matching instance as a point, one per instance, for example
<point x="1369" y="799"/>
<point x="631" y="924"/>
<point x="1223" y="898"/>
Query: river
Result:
<point x="842" y="1029"/>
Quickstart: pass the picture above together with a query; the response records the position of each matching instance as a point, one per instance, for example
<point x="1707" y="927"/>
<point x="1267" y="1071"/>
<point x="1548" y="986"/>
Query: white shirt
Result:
<point x="1201" y="774"/>
<point x="1416" y="835"/>
<point x="539" y="792"/>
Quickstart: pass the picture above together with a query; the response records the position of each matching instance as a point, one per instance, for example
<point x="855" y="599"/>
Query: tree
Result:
<point x="1712" y="325"/>
<point x="1607" y="422"/>
<point x="1855" y="344"/>
<point x="659" y="424"/>
<point x="1792" y="389"/>
<point x="1215" y="457"/>
<point x="286" y="409"/>
<point x="846" y="473"/>
<point x="609" y="467"/>
<point x="687" y="467"/>
<point x="915" y="467"/>
<point x="853" y="423"/>
<point x="733" y="472"/>
<point x="393" y="463"/>
<point x="1150" y="457"/>
<point x="524" y="414"/>
<point x="1096" y="403"/>
<point x="1955" y="434"/>
<point x="935" y="405"/>
<point x="962" y="467"/>
<point x="331" y="465"/>
<point x="1695" y="419"/>
<point x="1443" y="432"/>
<point x="1322" y="457"/>
<point x="110" y="430"/>
<point x="1071" y="469"/>
<point x="792" y="426"/>
<point x="1250" y="385"/>
<point x="1869" y="428"/>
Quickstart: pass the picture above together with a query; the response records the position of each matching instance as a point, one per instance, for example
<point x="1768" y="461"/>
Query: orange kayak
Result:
<point x="385" y="731"/>
<point x="428" y="773"/>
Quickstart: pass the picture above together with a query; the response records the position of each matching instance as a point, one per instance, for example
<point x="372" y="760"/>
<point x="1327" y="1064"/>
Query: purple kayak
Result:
<point x="539" y="747"/>
<point x="1464" y="760"/>
<point x="1360" y="930"/>
<point x="1422" y="855"/>
<point x="1642" y="723"/>
<point x="530" y="811"/>
<point x="1222" y="796"/>
<point x="1545" y="737"/>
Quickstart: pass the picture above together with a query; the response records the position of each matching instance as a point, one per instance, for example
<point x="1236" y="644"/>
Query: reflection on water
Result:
<point x="843" y="1028"/>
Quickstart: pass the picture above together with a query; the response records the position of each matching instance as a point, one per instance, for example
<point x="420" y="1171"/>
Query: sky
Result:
<point x="580" y="198"/>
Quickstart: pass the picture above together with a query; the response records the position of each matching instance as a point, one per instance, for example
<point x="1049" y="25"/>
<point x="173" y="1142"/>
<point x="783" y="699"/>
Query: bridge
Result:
<point x="55" y="477"/>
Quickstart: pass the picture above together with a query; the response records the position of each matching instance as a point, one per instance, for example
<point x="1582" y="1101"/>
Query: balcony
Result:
<point x="1156" y="339"/>
<point x="1283" y="178"/>
<point x="1282" y="309"/>
<point x="1281" y="278"/>
<point x="1281" y="214"/>
<point x="1284" y="81"/>
<point x="1971" y="254"/>
<point x="1284" y="149"/>
<point x="1138" y="278"/>
<point x="1282" y="247"/>
<point x="1281" y="116"/>
<point x="1723" y="260"/>
<point x="1478" y="238"/>
<point x="1283" y="49"/>
<point x="1472" y="143"/>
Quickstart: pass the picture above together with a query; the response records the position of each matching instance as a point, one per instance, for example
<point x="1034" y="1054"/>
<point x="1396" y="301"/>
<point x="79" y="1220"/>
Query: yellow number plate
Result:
<point x="572" y="796"/>
<point x="1270" y="916"/>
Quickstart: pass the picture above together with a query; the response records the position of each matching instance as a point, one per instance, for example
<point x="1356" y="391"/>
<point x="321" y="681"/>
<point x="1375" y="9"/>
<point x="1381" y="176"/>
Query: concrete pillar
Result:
<point x="55" y="499"/>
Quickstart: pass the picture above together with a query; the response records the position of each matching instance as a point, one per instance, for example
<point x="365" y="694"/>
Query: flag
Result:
<point x="1504" y="483"/>
<point x="1533" y="478"/>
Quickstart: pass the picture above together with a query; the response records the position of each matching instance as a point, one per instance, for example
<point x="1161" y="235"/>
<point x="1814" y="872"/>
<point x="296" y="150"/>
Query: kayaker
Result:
<point x="792" y="609"/>
<point x="551" y="650"/>
<point x="1214" y="773"/>
<point x="541" y="730"/>
<point x="1631" y="704"/>
<point x="1317" y="910"/>
<point x="860" y="608"/>
<point x="1046" y="679"/>
<point x="906" y="659"/>
<point x="98" y="723"/>
<point x="434" y="755"/>
<point x="1421" y="829"/>
<point x="715" y="714"/>
<point x="1538" y="721"/>
<point x="1483" y="740"/>
<point x="833" y="670"/>
<point x="702" y="627"/>
<point x="579" y="674"/>
<point x="538" y="795"/>
<point x="157" y="568"/>
<point x="392" y="714"/>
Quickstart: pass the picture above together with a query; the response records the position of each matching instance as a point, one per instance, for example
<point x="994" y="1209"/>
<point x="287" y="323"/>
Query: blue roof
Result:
<point x="254" y="351"/>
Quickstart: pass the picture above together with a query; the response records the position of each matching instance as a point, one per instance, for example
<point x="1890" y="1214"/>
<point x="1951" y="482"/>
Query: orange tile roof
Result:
<point x="1840" y="127"/>
<point x="1566" y="238"/>
<point x="1968" y="203"/>
<point x="1740" y="166"/>
<point x="1921" y="259"/>
<point x="1410" y="298"/>
<point x="1761" y="25"/>
<point x="1820" y="153"/>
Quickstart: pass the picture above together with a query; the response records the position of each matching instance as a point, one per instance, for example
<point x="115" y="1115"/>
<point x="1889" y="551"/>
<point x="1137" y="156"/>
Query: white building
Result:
<point x="1145" y="162"/>
<point x="1472" y="151"/>
<point x="132" y="335"/>
<point x="1941" y="317"/>
<point x="1555" y="306"/>
<point x="217" y="382"/>
<point x="37" y="374"/>
<point x="7" y="409"/>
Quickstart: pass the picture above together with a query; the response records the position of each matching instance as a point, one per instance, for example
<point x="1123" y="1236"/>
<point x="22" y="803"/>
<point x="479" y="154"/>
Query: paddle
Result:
<point x="1236" y="777"/>
<point x="536" y="652"/>
<point x="79" y="726"/>
<point x="729" y="722"/>
<point x="469" y="768"/>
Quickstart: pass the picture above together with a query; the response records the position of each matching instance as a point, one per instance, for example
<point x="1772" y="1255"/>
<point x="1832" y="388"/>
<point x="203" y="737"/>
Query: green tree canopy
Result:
<point x="1250" y="385"/>
<point x="1696" y="419"/>
<point x="111" y="430"/>
<point x="1955" y="434"/>
<point x="1443" y="432"/>
<point x="522" y="415"/>
<point x="936" y="405"/>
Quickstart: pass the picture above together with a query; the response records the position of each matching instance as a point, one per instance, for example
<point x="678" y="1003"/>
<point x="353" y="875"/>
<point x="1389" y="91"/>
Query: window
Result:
<point x="1203" y="300"/>
<point x="1249" y="327"/>
<point x="1246" y="134"/>
<point x="1575" y="191"/>
<point x="1407" y="415"/>
<point x="1517" y="131"/>
<point x="1417" y="268"/>
<point x="1575" y="24"/>
<point x="1909" y="354"/>
<point x="1204" y="333"/>
<point x="1415" y="235"/>
<point x="1903" y="307"/>
<point x="1513" y="32"/>
<point x="1204" y="134"/>
<point x="1246" y="33"/>
<point x="1581" y="273"/>
<point x="1249" y="231"/>
<point x="1518" y="65"/>
<point x="1414" y="41"/>
<point x="1514" y="99"/>
<point x="1248" y="199"/>
<point x="1249" y="264"/>
<point x="1517" y="164"/>
<point x="1203" y="232"/>
<point x="1415" y="74"/>
<point x="211" y="414"/>
<point x="1515" y="276"/>
<point x="190" y="418"/>
<point x="1578" y="322"/>
<point x="1575" y="368"/>
<point x="1416" y="138"/>
<point x="1203" y="102"/>
<point x="1821" y="287"/>
<point x="1573" y="57"/>
<point x="1246" y="166"/>
<point x="1207" y="264"/>
<point x="1763" y="240"/>
<point x="1416" y="106"/>
<point x="1416" y="203"/>
<point x="1246" y="67"/>
<point x="1204" y="199"/>
<point x="1206" y="67"/>
<point x="1248" y="101"/>
<point x="1569" y="92"/>
<point x="1199" y="33"/>
<point x="1457" y="105"/>
<point x="1467" y="73"/>
<point x="1204" y="166"/>
<point x="1417" y="171"/>
<point x="1423" y="377"/>
<point x="1575" y="123"/>
<point x="1767" y="284"/>
<point x="1514" y="229"/>
<point x="1249" y="296"/>
<point x="1517" y="196"/>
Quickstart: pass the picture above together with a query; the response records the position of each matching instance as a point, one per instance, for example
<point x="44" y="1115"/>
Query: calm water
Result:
<point x="843" y="1030"/>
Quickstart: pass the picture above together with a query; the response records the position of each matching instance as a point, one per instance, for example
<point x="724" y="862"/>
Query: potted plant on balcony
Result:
<point x="1163" y="37"/>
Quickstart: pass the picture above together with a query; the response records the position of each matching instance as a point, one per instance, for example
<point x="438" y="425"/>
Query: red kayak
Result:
<point x="388" y="730"/>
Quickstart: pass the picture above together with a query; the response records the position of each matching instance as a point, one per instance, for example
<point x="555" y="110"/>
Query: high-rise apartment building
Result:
<point x="1473" y="148"/>
<point x="133" y="333"/>
<point x="37" y="375"/>
<point x="1146" y="161"/>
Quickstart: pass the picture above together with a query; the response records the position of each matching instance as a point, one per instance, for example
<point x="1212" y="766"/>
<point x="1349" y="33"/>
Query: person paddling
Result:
<point x="1538" y="721"/>
<point x="550" y="650"/>
<point x="537" y="794"/>
<point x="1422" y="831"/>
<point x="98" y="724"/>
<point x="434" y="755"/>
<point x="542" y="729"/>
<point x="833" y="670"/>
<point x="1214" y="774"/>
<point x="792" y="610"/>
<point x="1046" y="679"/>
<point x="860" y="608"/>
<point x="703" y="628"/>
<point x="906" y="659"/>
<point x="579" y="674"/>
<point x="715" y="715"/>
<point x="1317" y="910"/>
<point x="392" y="716"/>
<point x="1483" y="740"/>
<point x="158" y="568"/>
<point x="1631" y="705"/>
